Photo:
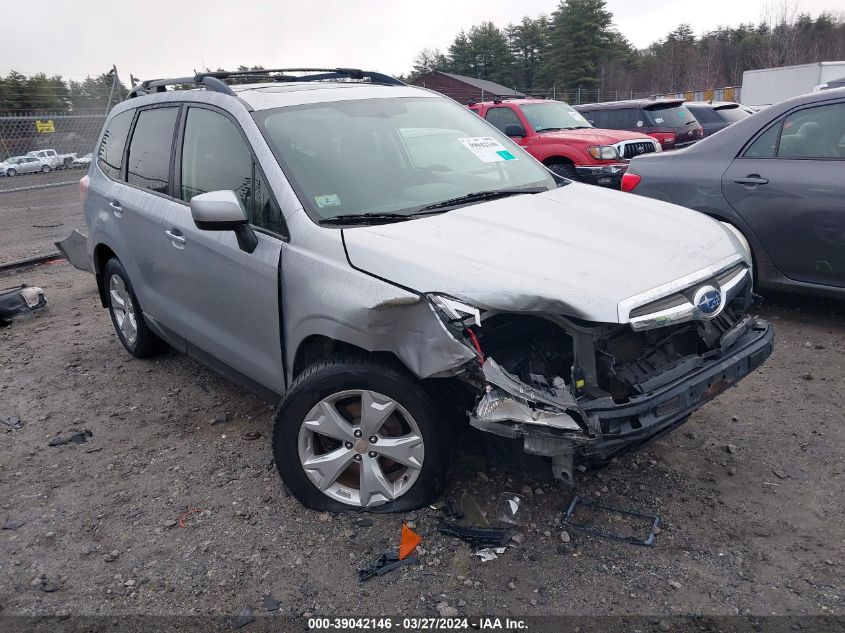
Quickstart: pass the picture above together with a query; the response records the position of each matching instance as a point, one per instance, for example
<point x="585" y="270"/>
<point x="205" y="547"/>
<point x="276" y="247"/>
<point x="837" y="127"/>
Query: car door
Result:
<point x="31" y="165"/>
<point x="502" y="116"/>
<point x="789" y="187"/>
<point x="225" y="300"/>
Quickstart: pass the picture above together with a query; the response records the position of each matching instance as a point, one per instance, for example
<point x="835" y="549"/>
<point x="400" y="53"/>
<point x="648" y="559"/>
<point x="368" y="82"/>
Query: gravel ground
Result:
<point x="750" y="490"/>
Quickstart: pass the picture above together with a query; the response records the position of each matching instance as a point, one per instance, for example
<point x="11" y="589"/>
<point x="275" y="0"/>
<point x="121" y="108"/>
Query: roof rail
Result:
<point x="213" y="80"/>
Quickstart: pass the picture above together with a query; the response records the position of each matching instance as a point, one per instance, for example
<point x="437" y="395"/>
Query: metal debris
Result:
<point x="596" y="505"/>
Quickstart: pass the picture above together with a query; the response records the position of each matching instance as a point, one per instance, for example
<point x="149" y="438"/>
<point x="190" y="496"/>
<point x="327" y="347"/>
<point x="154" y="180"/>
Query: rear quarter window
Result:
<point x="110" y="151"/>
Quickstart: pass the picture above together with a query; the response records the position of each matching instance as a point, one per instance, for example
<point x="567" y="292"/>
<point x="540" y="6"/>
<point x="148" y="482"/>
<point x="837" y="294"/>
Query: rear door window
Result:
<point x="110" y="151"/>
<point x="766" y="144"/>
<point x="813" y="133"/>
<point x="148" y="162"/>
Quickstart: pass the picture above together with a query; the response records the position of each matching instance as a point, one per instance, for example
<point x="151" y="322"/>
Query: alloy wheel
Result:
<point x="123" y="309"/>
<point x="361" y="448"/>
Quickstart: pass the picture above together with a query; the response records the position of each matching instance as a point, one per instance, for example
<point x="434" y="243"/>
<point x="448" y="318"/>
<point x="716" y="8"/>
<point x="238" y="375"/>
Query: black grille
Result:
<point x="635" y="149"/>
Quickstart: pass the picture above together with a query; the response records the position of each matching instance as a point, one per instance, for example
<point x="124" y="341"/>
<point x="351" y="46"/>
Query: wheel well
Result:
<point x="558" y="160"/>
<point x="102" y="254"/>
<point x="317" y="346"/>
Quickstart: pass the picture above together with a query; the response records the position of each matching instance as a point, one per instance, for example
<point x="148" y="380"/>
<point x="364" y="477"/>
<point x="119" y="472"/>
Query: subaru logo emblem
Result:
<point x="708" y="301"/>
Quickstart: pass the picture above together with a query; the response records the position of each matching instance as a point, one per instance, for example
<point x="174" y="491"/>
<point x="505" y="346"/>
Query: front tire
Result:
<point x="566" y="170"/>
<point x="126" y="314"/>
<point x="357" y="432"/>
<point x="10" y="172"/>
<point x="45" y="169"/>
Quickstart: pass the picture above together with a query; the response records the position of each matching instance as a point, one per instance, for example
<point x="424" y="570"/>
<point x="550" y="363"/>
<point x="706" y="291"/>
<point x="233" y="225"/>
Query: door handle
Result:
<point x="116" y="208"/>
<point x="176" y="238"/>
<point x="752" y="180"/>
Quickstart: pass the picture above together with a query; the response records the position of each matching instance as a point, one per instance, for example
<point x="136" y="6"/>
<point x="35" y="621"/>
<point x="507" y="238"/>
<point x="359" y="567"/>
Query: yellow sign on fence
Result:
<point x="44" y="127"/>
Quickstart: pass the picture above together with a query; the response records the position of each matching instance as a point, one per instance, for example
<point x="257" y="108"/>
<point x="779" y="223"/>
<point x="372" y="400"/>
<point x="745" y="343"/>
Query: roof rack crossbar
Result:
<point x="213" y="80"/>
<point x="322" y="74"/>
<point x="159" y="85"/>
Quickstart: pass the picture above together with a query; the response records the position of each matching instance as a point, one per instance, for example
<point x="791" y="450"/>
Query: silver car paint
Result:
<point x="579" y="250"/>
<point x="574" y="251"/>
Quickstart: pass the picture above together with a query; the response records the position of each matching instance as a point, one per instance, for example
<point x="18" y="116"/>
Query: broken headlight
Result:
<point x="455" y="310"/>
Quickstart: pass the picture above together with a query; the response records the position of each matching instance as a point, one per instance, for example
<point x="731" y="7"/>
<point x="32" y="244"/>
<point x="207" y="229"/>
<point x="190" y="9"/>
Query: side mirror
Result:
<point x="514" y="129"/>
<point x="222" y="211"/>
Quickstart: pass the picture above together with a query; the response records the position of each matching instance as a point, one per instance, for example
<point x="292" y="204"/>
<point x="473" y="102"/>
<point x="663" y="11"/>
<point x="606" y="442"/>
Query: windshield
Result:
<point x="392" y="156"/>
<point x="554" y="115"/>
<point x="669" y="115"/>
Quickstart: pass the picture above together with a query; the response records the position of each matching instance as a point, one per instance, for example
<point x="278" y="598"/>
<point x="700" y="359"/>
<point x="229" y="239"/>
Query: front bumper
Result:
<point x="617" y="428"/>
<point x="602" y="175"/>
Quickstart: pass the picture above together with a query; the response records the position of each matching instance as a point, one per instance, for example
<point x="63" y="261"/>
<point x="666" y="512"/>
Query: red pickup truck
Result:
<point x="557" y="135"/>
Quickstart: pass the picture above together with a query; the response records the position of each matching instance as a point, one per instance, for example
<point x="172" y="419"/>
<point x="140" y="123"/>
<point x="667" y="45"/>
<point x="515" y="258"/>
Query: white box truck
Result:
<point x="766" y="86"/>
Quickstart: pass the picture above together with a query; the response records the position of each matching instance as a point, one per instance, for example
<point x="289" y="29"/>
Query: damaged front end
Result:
<point x="581" y="392"/>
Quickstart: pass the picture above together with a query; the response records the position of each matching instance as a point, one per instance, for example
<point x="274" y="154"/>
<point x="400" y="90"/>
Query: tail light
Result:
<point x="83" y="188"/>
<point x="630" y="181"/>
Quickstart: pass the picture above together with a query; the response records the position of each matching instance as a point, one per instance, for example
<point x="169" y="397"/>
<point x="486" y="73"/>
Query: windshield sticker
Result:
<point x="330" y="200"/>
<point x="487" y="149"/>
<point x="659" y="119"/>
<point x="576" y="115"/>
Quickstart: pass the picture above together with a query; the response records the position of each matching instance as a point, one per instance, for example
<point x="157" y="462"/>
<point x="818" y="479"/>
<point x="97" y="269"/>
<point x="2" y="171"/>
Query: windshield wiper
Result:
<point x="365" y="218"/>
<point x="548" y="129"/>
<point x="479" y="196"/>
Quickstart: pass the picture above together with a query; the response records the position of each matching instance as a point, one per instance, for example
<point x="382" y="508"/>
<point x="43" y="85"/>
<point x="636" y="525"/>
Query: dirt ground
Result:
<point x="32" y="220"/>
<point x="750" y="490"/>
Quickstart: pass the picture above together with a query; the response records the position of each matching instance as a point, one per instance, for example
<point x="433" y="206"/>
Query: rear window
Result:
<point x="732" y="114"/>
<point x="110" y="152"/>
<point x="668" y="115"/>
<point x="148" y="161"/>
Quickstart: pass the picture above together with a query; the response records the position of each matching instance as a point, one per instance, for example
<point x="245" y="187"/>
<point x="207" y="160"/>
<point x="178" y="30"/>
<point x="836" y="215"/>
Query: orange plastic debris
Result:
<point x="410" y="540"/>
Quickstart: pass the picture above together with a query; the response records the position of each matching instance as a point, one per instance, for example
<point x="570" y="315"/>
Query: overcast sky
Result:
<point x="155" y="38"/>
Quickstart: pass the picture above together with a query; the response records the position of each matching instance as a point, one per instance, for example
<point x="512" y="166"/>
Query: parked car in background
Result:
<point x="22" y="165"/>
<point x="778" y="177"/>
<point x="667" y="120"/>
<point x="717" y="115"/>
<point x="558" y="136"/>
<point x="81" y="162"/>
<point x="52" y="158"/>
<point x="404" y="263"/>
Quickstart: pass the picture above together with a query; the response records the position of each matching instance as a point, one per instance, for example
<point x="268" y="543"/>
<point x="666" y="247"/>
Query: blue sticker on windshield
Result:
<point x="506" y="154"/>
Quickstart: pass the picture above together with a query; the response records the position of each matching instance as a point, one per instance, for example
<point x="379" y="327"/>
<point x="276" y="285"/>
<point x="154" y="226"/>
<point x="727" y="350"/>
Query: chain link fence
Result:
<point x="72" y="136"/>
<point x="39" y="203"/>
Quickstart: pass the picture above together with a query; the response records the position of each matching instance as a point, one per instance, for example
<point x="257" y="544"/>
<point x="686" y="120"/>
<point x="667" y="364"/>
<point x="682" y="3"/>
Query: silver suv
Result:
<point x="384" y="265"/>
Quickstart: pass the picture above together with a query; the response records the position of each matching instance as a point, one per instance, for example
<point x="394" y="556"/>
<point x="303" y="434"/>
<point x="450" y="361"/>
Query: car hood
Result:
<point x="594" y="136"/>
<point x="577" y="250"/>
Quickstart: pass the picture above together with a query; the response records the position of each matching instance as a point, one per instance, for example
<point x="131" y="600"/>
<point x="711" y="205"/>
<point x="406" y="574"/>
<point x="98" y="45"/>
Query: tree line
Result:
<point x="578" y="46"/>
<point x="40" y="93"/>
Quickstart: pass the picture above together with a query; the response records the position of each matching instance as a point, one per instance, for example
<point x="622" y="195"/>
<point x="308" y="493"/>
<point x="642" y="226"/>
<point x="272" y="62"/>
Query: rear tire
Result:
<point x="567" y="170"/>
<point x="45" y="169"/>
<point x="323" y="422"/>
<point x="11" y="172"/>
<point x="126" y="314"/>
